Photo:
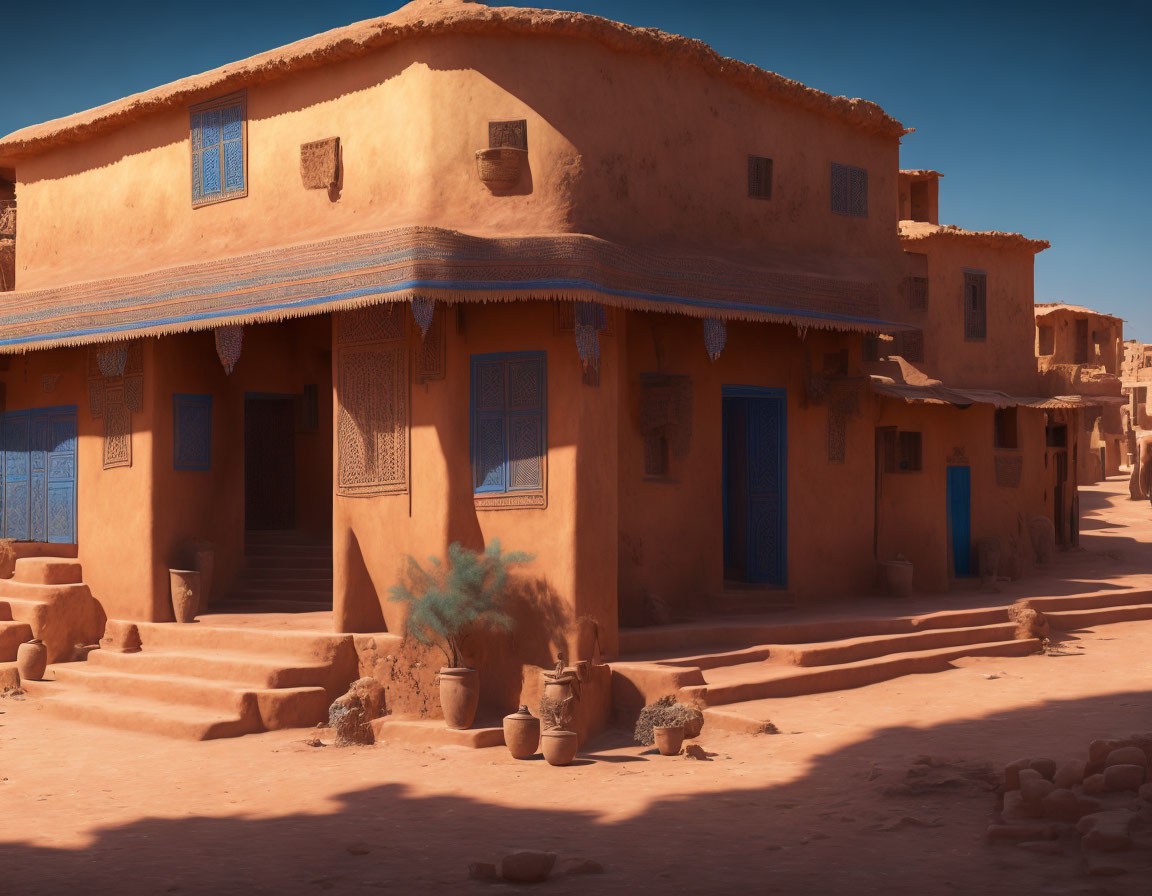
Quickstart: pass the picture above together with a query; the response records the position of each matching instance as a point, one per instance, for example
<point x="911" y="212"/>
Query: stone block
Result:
<point x="1123" y="777"/>
<point x="1070" y="774"/>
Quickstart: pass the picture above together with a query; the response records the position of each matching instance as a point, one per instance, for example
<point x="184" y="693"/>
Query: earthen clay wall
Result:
<point x="1004" y="359"/>
<point x="277" y="359"/>
<point x="672" y="528"/>
<point x="621" y="146"/>
<point x="913" y="510"/>
<point x="573" y="539"/>
<point x="116" y="559"/>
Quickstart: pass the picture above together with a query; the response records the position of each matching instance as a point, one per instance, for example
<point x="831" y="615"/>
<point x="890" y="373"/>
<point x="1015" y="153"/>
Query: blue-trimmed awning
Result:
<point x="400" y="264"/>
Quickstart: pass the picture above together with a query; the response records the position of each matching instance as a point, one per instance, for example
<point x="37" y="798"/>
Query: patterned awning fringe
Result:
<point x="426" y="263"/>
<point x="229" y="343"/>
<point x="938" y="393"/>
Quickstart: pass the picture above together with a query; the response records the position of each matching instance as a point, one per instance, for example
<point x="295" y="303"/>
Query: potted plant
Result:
<point x="666" y="723"/>
<point x="446" y="602"/>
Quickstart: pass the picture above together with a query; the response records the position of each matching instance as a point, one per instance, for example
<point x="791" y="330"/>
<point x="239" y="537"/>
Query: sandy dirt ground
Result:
<point x="882" y="789"/>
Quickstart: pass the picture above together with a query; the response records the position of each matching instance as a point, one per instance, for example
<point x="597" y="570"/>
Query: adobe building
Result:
<point x="411" y="282"/>
<point x="1080" y="351"/>
<point x="1137" y="376"/>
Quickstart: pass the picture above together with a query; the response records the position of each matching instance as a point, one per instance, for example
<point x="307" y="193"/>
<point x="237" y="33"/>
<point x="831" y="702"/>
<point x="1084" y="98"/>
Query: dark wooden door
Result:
<point x="269" y="463"/>
<point x="755" y="503"/>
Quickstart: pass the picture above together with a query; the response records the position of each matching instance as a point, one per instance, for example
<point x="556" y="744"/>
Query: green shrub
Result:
<point x="447" y="600"/>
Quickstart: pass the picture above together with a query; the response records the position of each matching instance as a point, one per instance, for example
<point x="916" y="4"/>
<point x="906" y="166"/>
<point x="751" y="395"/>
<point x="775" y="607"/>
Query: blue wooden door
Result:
<point x="38" y="448"/>
<point x="960" y="518"/>
<point x="755" y="486"/>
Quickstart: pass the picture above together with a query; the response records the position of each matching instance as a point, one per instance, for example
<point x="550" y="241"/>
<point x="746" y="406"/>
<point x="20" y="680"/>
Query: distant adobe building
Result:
<point x="1137" y="376"/>
<point x="455" y="275"/>
<point x="1080" y="351"/>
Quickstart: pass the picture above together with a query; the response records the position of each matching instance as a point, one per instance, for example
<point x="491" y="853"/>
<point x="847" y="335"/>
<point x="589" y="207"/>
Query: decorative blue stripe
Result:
<point x="461" y="286"/>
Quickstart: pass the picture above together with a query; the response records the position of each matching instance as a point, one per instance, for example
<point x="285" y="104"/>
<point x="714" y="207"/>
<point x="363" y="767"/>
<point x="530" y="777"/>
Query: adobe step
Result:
<point x="741" y="633"/>
<point x="288" y="550"/>
<point x="248" y="594"/>
<point x="48" y="571"/>
<point x="273" y="707"/>
<point x="760" y="681"/>
<point x="1073" y="620"/>
<point x="271" y="562"/>
<point x="250" y="669"/>
<point x="140" y="714"/>
<point x="257" y="583"/>
<point x="312" y="646"/>
<point x="279" y="573"/>
<point x="1096" y="600"/>
<point x="257" y="603"/>
<point x="12" y="635"/>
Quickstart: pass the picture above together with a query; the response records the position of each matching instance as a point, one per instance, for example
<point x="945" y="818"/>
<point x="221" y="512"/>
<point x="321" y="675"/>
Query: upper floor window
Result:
<point x="975" y="305"/>
<point x="219" y="138"/>
<point x="759" y="177"/>
<point x="849" y="190"/>
<point x="1005" y="432"/>
<point x="509" y="427"/>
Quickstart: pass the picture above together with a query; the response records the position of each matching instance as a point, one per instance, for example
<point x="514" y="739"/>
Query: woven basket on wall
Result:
<point x="499" y="167"/>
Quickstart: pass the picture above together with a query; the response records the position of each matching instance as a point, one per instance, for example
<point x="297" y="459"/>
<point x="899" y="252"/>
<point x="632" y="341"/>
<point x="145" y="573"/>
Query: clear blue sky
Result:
<point x="1040" y="114"/>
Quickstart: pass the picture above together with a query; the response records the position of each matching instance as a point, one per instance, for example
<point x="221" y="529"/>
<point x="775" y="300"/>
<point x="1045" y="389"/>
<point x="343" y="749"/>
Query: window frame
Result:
<point x="195" y="150"/>
<point x="854" y="190"/>
<point x="971" y="275"/>
<point x="760" y="174"/>
<point x="504" y="496"/>
<point x="1002" y="429"/>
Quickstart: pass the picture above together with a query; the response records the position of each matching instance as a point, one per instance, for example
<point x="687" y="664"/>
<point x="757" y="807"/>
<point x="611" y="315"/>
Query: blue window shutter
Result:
<point x="218" y="142"/>
<point x="508" y="422"/>
<point x="232" y="137"/>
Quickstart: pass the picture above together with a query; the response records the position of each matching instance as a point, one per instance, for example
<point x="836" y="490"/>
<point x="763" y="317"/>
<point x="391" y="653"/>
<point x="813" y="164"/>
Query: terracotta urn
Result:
<point x="897" y="576"/>
<point x="31" y="660"/>
<point x="185" y="594"/>
<point x="522" y="733"/>
<point x="560" y="746"/>
<point x="669" y="739"/>
<point x="459" y="696"/>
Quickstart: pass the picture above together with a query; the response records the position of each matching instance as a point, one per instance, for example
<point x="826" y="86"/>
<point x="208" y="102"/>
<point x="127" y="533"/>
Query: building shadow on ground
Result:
<point x="902" y="811"/>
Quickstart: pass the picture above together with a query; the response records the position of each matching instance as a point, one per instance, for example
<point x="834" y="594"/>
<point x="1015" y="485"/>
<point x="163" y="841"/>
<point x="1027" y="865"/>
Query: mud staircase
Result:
<point x="200" y="681"/>
<point x="46" y="599"/>
<point x="734" y="668"/>
<point x="284" y="571"/>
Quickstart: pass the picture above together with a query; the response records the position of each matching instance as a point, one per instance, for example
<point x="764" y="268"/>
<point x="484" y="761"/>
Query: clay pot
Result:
<point x="31" y="660"/>
<point x="560" y="746"/>
<point x="522" y="733"/>
<point x="499" y="167"/>
<point x="669" y="739"/>
<point x="897" y="577"/>
<point x="185" y="594"/>
<point x="559" y="690"/>
<point x="459" y="696"/>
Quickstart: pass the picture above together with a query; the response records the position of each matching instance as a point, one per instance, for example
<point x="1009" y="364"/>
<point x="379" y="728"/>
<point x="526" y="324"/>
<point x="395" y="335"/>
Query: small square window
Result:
<point x="759" y="177"/>
<point x="219" y="143"/>
<point x="849" y="190"/>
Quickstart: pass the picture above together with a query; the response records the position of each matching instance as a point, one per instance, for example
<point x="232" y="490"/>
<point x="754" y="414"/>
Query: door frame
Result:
<point x="780" y="397"/>
<point x="953" y="572"/>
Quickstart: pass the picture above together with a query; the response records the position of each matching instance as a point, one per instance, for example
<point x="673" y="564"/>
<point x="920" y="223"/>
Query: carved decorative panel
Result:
<point x="372" y="394"/>
<point x="117" y="432"/>
<point x="430" y="351"/>
<point x="508" y="133"/>
<point x="1009" y="470"/>
<point x="192" y="432"/>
